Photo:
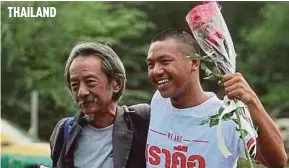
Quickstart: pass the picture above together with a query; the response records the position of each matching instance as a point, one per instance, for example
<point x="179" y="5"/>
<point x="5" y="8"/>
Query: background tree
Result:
<point x="267" y="57"/>
<point x="34" y="51"/>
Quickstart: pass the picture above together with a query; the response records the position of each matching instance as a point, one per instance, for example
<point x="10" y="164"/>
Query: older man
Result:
<point x="101" y="134"/>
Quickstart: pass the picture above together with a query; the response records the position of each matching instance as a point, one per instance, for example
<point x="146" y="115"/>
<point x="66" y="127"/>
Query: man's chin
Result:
<point x="89" y="111"/>
<point x="165" y="94"/>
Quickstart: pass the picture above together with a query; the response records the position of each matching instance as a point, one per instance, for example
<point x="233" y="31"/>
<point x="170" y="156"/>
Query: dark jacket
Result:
<point x="129" y="138"/>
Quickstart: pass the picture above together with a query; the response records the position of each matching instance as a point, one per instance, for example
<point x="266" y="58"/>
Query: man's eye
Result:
<point x="166" y="62"/>
<point x="74" y="86"/>
<point x="150" y="65"/>
<point x="91" y="83"/>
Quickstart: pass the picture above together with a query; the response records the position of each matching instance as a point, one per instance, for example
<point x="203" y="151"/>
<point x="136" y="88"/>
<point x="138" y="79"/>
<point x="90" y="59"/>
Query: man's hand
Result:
<point x="270" y="148"/>
<point x="236" y="86"/>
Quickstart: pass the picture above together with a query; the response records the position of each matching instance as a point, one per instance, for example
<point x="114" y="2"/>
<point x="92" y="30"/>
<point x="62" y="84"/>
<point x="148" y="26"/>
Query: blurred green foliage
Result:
<point x="266" y="61"/>
<point x="34" y="51"/>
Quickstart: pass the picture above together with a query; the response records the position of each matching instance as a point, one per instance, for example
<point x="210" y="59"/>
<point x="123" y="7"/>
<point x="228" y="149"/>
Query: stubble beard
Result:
<point x="90" y="100"/>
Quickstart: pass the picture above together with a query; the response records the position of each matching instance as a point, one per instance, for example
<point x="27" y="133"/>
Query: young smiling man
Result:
<point x="176" y="138"/>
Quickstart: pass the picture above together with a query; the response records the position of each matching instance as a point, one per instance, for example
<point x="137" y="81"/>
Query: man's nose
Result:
<point x="158" y="70"/>
<point x="83" y="91"/>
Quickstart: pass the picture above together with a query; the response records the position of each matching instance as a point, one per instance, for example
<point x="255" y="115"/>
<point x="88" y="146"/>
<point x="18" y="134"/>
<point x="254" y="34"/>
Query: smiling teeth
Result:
<point x="163" y="81"/>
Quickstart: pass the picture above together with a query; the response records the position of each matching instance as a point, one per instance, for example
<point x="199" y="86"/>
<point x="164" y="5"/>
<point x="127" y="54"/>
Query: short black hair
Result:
<point x="180" y="35"/>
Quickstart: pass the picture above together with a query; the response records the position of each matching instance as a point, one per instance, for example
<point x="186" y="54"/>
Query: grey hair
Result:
<point x="112" y="66"/>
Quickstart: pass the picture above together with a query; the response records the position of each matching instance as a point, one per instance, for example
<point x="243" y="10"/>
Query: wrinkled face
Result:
<point x="168" y="68"/>
<point x="89" y="85"/>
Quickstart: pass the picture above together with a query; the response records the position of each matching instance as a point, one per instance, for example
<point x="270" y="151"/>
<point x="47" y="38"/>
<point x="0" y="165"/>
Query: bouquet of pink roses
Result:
<point x="210" y="30"/>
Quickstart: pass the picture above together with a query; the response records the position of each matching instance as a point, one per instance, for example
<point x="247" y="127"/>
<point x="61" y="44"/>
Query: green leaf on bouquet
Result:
<point x="243" y="132"/>
<point x="228" y="116"/>
<point x="204" y="67"/>
<point x="205" y="122"/>
<point x="216" y="72"/>
<point x="235" y="120"/>
<point x="214" y="121"/>
<point x="211" y="75"/>
<point x="210" y="120"/>
<point x="212" y="78"/>
<point x="203" y="58"/>
<point x="194" y="56"/>
<point x="215" y="116"/>
<point x="207" y="59"/>
<point x="221" y="110"/>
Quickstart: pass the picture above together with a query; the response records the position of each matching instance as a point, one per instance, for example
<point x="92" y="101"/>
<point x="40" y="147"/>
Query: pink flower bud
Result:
<point x="211" y="39"/>
<point x="218" y="34"/>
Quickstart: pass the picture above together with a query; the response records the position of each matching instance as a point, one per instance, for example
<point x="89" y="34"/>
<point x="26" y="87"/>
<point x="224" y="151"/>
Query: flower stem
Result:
<point x="243" y="138"/>
<point x="218" y="76"/>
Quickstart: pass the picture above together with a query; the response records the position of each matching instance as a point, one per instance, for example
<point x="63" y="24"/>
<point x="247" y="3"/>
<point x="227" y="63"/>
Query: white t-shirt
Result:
<point x="177" y="140"/>
<point x="94" y="148"/>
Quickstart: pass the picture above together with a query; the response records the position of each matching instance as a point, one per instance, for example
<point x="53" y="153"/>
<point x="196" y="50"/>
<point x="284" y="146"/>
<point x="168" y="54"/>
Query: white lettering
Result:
<point x="10" y="11"/>
<point x="23" y="12"/>
<point x="29" y="11"/>
<point x="52" y="11"/>
<point x="45" y="12"/>
<point x="39" y="12"/>
<point x="16" y="11"/>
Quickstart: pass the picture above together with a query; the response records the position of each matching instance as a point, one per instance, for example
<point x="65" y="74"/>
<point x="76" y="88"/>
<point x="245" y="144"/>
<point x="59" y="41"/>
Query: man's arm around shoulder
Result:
<point x="142" y="110"/>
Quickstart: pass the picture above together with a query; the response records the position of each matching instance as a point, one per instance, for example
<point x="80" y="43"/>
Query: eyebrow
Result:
<point x="148" y="60"/>
<point x="85" y="77"/>
<point x="159" y="58"/>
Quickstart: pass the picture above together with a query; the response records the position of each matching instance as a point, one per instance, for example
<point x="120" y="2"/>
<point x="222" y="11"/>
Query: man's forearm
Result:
<point x="270" y="143"/>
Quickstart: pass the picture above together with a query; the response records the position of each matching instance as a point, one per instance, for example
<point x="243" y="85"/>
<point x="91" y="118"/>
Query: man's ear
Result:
<point x="195" y="63"/>
<point x="117" y="83"/>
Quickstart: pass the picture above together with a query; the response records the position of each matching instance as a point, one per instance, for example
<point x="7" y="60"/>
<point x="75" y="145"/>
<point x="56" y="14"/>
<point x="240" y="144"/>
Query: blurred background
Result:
<point x="34" y="51"/>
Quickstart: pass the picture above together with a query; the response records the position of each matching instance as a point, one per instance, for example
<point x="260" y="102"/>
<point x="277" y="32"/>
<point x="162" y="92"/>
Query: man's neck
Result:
<point x="105" y="118"/>
<point x="191" y="98"/>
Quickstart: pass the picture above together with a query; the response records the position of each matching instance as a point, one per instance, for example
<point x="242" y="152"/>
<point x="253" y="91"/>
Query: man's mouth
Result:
<point x="162" y="82"/>
<point x="89" y="101"/>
